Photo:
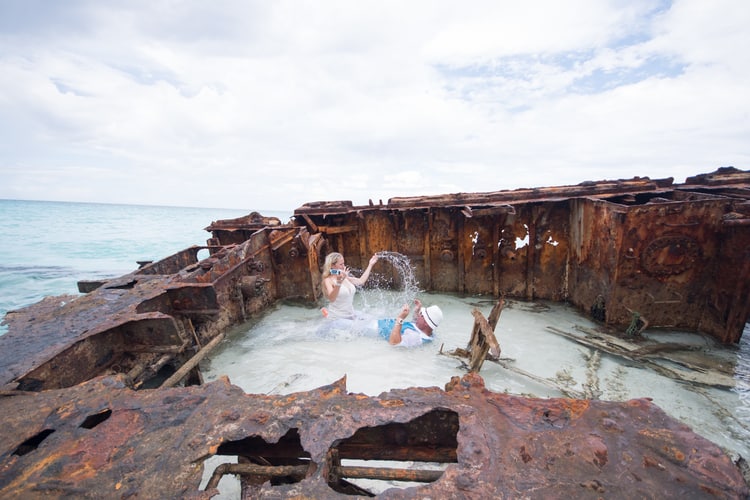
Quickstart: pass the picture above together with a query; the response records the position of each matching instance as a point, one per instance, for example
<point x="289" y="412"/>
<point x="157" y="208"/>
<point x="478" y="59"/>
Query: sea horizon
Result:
<point x="147" y="205"/>
<point x="49" y="246"/>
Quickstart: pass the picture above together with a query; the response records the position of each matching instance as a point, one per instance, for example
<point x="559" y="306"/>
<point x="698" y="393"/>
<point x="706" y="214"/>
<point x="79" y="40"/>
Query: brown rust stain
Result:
<point x="576" y="407"/>
<point x="154" y="441"/>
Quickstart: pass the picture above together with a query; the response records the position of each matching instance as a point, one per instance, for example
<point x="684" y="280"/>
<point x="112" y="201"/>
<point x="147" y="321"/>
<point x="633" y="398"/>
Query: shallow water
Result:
<point x="282" y="352"/>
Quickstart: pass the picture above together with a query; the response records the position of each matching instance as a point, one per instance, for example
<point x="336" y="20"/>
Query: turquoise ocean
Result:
<point x="47" y="246"/>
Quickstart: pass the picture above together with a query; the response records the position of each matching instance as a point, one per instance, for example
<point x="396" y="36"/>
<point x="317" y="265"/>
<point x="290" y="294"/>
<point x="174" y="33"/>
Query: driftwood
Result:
<point x="483" y="340"/>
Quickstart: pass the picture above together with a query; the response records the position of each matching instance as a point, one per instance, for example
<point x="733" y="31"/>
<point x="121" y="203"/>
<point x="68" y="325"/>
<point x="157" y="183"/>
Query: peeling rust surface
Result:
<point x="152" y="444"/>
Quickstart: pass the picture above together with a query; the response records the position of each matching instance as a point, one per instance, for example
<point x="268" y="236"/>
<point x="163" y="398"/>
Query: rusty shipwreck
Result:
<point x="102" y="393"/>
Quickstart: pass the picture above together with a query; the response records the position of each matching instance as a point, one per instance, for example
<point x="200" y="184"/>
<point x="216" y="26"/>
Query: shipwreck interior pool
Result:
<point x="289" y="349"/>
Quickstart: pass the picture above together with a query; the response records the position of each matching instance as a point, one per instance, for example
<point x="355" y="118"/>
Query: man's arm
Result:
<point x="395" y="337"/>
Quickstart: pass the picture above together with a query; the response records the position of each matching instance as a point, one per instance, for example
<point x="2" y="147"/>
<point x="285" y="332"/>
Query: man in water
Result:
<point x="411" y="333"/>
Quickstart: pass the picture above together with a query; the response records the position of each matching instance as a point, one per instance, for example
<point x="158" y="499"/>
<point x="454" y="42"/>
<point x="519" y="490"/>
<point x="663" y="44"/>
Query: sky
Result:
<point x="268" y="105"/>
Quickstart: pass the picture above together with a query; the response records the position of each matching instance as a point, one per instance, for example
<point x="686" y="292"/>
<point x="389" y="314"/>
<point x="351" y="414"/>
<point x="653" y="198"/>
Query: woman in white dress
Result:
<point x="339" y="286"/>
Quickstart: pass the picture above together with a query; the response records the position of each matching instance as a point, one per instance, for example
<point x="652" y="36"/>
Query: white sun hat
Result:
<point x="432" y="316"/>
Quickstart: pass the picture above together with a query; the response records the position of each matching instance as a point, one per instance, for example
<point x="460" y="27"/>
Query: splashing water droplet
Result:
<point x="381" y="296"/>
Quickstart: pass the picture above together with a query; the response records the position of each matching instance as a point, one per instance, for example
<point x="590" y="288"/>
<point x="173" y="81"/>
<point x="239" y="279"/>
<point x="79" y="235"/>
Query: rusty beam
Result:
<point x="261" y="471"/>
<point x="388" y="474"/>
<point x="299" y="471"/>
<point x="599" y="188"/>
<point x="428" y="251"/>
<point x="338" y="229"/>
<point x="531" y="253"/>
<point x="313" y="227"/>
<point x="144" y="371"/>
<point x="495" y="259"/>
<point x="192" y="362"/>
<point x="281" y="238"/>
<point x="460" y="226"/>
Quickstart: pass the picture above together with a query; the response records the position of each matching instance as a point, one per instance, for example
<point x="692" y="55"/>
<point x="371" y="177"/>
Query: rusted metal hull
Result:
<point x="73" y="423"/>
<point x="676" y="254"/>
<point x="103" y="440"/>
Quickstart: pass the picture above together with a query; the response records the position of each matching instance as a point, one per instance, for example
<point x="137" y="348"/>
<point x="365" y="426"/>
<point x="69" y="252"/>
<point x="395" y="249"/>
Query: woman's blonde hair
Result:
<point x="331" y="259"/>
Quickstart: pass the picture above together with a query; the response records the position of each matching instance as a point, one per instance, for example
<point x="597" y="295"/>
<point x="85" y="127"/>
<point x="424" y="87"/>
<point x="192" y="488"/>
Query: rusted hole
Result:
<point x="283" y="462"/>
<point x="400" y="455"/>
<point x="96" y="419"/>
<point x="32" y="443"/>
<point x="30" y="384"/>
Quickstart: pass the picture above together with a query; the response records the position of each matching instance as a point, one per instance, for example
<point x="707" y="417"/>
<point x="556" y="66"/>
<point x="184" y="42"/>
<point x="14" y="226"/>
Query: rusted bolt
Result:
<point x="508" y="253"/>
<point x="249" y="286"/>
<point x="255" y="266"/>
<point x="294" y="252"/>
<point x="480" y="253"/>
<point x="446" y="255"/>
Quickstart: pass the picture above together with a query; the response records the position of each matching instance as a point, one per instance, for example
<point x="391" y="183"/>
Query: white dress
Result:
<point x="343" y="306"/>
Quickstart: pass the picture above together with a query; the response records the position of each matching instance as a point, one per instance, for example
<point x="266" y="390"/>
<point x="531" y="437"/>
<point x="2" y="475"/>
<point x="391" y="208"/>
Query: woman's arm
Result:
<point x="363" y="279"/>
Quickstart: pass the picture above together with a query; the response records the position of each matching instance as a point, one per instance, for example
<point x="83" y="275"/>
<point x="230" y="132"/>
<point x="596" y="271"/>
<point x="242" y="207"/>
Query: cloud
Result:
<point x="268" y="105"/>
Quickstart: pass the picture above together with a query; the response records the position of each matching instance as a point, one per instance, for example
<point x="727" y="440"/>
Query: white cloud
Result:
<point x="268" y="105"/>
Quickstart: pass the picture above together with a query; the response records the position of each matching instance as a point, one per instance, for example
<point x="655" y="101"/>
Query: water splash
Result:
<point x="402" y="265"/>
<point x="380" y="298"/>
